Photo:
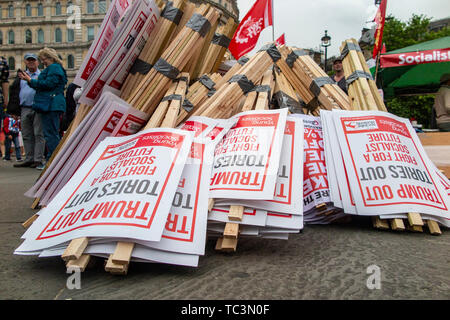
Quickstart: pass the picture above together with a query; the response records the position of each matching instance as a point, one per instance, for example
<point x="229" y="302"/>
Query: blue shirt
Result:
<point x="26" y="94"/>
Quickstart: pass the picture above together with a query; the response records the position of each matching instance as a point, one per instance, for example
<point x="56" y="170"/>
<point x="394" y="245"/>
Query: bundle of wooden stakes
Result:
<point x="312" y="84"/>
<point x="364" y="95"/>
<point x="150" y="90"/>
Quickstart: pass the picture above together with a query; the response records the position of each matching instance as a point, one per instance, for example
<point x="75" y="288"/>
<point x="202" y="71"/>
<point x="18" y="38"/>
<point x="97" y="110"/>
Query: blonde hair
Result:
<point x="50" y="53"/>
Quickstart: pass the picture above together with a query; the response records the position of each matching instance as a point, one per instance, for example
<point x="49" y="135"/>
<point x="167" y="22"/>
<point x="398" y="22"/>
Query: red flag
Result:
<point x="280" y="41"/>
<point x="257" y="19"/>
<point x="383" y="50"/>
<point x="379" y="19"/>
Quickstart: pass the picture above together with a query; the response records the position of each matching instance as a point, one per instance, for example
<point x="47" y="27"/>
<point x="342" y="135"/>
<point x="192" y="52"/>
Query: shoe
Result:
<point x="19" y="160"/>
<point x="40" y="166"/>
<point x="24" y="164"/>
<point x="34" y="164"/>
<point x="4" y="159"/>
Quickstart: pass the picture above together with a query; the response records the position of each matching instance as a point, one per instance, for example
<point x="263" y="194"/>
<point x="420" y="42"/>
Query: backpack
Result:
<point x="14" y="100"/>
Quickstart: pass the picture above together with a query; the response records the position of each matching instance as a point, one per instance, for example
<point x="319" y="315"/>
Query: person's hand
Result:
<point x="24" y="76"/>
<point x="10" y="137"/>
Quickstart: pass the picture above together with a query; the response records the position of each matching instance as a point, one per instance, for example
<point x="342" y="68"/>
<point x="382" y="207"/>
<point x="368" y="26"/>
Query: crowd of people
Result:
<point x="35" y="106"/>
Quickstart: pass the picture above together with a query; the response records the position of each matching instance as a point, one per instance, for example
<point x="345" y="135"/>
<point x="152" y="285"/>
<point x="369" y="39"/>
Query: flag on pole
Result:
<point x="246" y="36"/>
<point x="379" y="19"/>
<point x="281" y="41"/>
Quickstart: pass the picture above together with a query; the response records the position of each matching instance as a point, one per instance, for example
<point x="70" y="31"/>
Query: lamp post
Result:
<point x="326" y="42"/>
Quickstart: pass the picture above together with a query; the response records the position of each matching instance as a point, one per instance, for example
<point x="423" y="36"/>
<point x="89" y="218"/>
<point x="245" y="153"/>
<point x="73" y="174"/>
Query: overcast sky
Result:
<point x="305" y="21"/>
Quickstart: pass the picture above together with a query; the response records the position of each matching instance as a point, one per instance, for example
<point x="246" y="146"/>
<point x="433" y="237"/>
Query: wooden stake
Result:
<point x="29" y="221"/>
<point x="380" y="223"/>
<point x="80" y="263"/>
<point x="231" y="230"/>
<point x="397" y="225"/>
<point x="415" y="219"/>
<point x="434" y="227"/>
<point x="236" y="213"/>
<point x="122" y="253"/>
<point x="75" y="249"/>
<point x="113" y="268"/>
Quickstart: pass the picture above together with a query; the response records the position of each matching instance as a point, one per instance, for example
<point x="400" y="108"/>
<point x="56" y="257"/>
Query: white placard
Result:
<point x="339" y="169"/>
<point x="201" y="126"/>
<point x="119" y="191"/>
<point x="122" y="43"/>
<point x="388" y="169"/>
<point x="185" y="228"/>
<point x="315" y="180"/>
<point x="102" y="40"/>
<point x="288" y="196"/>
<point x="247" y="159"/>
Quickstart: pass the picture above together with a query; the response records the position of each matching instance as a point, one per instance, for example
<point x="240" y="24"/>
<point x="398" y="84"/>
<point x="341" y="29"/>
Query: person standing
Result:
<point x="4" y="85"/>
<point x="339" y="76"/>
<point x="49" y="99"/>
<point x="11" y="129"/>
<point x="442" y="104"/>
<point x="22" y="94"/>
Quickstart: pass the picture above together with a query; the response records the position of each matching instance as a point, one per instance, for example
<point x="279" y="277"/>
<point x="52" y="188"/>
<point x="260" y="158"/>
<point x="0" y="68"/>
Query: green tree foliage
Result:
<point x="396" y="35"/>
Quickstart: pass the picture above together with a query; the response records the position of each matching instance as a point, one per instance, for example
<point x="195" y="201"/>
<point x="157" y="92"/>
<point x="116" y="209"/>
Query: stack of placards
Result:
<point x="258" y="165"/>
<point x="317" y="206"/>
<point x="378" y="167"/>
<point x="111" y="116"/>
<point x="128" y="40"/>
<point x="120" y="193"/>
<point x="102" y="40"/>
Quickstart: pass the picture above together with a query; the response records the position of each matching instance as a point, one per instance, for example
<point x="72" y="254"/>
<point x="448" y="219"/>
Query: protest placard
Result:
<point x="185" y="228"/>
<point x="388" y="169"/>
<point x="246" y="160"/>
<point x="117" y="192"/>
<point x="102" y="40"/>
<point x="315" y="180"/>
<point x="336" y="168"/>
<point x="288" y="196"/>
<point x="133" y="26"/>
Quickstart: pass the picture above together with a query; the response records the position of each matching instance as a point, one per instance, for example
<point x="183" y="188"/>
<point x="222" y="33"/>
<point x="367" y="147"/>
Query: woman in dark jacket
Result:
<point x="49" y="99"/>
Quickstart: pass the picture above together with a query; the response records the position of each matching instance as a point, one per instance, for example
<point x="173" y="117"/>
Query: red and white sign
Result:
<point x="388" y="169"/>
<point x="247" y="33"/>
<point x="247" y="159"/>
<point x="119" y="192"/>
<point x="288" y="196"/>
<point x="126" y="41"/>
<point x="413" y="58"/>
<point x="102" y="40"/>
<point x="340" y="192"/>
<point x="185" y="229"/>
<point x="201" y="126"/>
<point x="315" y="180"/>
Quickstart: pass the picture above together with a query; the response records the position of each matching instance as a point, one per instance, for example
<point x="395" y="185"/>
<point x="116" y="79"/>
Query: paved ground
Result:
<point x="324" y="262"/>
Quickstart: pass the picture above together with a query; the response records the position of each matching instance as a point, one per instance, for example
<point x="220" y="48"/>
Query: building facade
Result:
<point x="30" y="25"/>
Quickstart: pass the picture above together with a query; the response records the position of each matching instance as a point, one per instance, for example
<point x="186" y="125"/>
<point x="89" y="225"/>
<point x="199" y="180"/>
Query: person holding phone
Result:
<point x="21" y="99"/>
<point x="49" y="99"/>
